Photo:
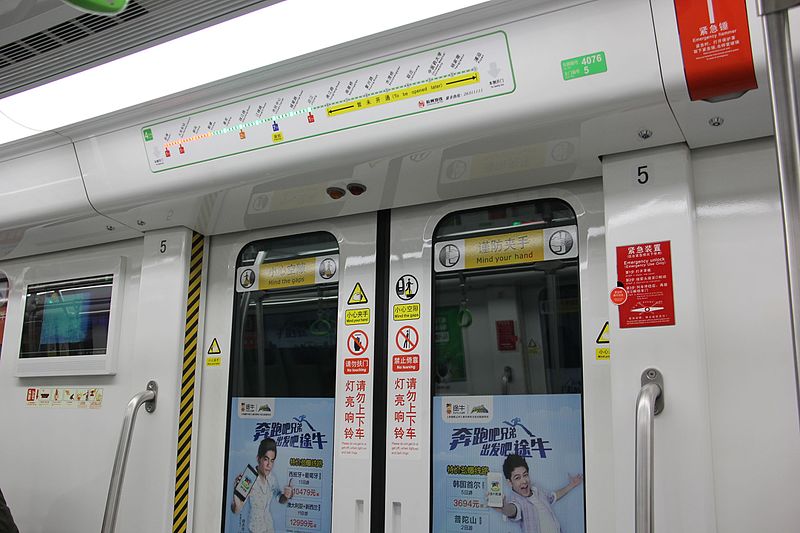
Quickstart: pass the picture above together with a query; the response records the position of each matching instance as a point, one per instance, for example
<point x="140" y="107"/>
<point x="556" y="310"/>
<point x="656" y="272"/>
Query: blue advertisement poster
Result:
<point x="280" y="465"/>
<point x="508" y="464"/>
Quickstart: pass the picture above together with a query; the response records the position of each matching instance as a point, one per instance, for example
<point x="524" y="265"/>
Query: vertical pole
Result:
<point x="787" y="140"/>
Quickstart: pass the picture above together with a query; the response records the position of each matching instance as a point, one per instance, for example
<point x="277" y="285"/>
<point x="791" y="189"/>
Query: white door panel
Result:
<point x="409" y="488"/>
<point x="349" y="442"/>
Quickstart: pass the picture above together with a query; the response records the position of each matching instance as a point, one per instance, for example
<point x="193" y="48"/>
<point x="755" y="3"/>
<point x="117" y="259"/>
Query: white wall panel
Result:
<point x="753" y="401"/>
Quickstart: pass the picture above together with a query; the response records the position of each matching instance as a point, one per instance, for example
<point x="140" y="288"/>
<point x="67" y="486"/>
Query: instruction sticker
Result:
<point x="356" y="365"/>
<point x="405" y="363"/>
<point x="213" y="349"/>
<point x="645" y="271"/>
<point x="602" y="337"/>
<point x="357" y="296"/>
<point x="406" y="287"/>
<point x="407" y="338"/>
<point x="403" y="312"/>
<point x="64" y="397"/>
<point x="287" y="274"/>
<point x="357" y="342"/>
<point x="356" y="317"/>
<point x="506" y="249"/>
<point x="214" y="361"/>
<point x="602" y="354"/>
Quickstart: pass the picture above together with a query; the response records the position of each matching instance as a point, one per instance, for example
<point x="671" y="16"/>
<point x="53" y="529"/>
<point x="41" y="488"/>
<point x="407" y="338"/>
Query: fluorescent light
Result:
<point x="275" y="33"/>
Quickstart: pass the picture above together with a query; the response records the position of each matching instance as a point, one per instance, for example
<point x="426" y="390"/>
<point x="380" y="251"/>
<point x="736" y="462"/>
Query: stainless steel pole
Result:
<point x="649" y="403"/>
<point x="147" y="398"/>
<point x="787" y="140"/>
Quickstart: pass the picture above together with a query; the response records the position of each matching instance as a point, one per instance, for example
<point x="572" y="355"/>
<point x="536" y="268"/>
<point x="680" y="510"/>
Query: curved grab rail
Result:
<point x="649" y="403"/>
<point x="148" y="399"/>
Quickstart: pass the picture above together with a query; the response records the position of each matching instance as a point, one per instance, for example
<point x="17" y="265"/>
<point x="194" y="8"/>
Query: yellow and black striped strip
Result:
<point x="180" y="514"/>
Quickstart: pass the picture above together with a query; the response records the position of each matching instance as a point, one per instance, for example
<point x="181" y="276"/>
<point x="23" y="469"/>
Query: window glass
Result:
<point x="67" y="318"/>
<point x="282" y="385"/>
<point x="3" y="306"/>
<point x="507" y="409"/>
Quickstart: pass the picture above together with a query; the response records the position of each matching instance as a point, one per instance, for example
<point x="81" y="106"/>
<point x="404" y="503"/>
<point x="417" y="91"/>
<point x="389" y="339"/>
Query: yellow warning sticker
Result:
<point x="214" y="348"/>
<point x="283" y="274"/>
<point x="602" y="354"/>
<point x="356" y="317"/>
<point x="602" y="337"/>
<point x="277" y="137"/>
<point x="414" y="91"/>
<point x="515" y="248"/>
<point x="357" y="296"/>
<point x="406" y="312"/>
<point x="213" y="361"/>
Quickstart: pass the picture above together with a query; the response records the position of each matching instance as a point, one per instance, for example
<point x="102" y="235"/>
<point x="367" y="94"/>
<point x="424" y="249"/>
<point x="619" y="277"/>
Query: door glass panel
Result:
<point x="281" y="395"/>
<point x="3" y="306"/>
<point x="507" y="407"/>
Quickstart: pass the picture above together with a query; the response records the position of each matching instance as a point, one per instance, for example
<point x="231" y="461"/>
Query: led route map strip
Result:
<point x="456" y="73"/>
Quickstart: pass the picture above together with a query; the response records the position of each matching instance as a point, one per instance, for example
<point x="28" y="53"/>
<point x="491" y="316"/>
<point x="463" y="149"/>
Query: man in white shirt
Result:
<point x="265" y="488"/>
<point x="528" y="503"/>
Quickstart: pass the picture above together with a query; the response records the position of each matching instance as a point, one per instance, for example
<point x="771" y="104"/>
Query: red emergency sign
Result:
<point x="715" y="43"/>
<point x="645" y="270"/>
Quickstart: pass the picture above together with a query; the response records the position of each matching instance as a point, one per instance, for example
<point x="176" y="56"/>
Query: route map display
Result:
<point x="456" y="73"/>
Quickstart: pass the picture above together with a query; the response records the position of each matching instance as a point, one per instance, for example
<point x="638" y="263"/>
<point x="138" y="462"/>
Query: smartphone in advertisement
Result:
<point x="245" y="485"/>
<point x="494" y="483"/>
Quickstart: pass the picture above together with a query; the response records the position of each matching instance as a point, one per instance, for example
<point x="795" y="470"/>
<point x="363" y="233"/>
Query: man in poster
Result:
<point x="263" y="490"/>
<point x="528" y="503"/>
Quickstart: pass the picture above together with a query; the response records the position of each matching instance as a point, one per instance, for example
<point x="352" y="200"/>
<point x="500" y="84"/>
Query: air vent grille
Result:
<point x="64" y="33"/>
<point x="88" y="40"/>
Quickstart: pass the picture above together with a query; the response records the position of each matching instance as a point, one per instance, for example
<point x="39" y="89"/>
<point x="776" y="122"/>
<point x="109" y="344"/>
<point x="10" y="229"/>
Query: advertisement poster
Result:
<point x="280" y="465"/>
<point x="508" y="464"/>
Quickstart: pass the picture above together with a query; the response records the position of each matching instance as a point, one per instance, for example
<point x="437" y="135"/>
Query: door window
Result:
<point x="282" y="383"/>
<point x="3" y="306"/>
<point x="507" y="406"/>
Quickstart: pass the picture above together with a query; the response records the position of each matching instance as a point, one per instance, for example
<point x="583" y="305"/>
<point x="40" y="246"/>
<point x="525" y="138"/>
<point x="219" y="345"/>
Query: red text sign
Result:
<point x="506" y="339"/>
<point x="715" y="43"/>
<point x="645" y="270"/>
<point x="405" y="363"/>
<point x="358" y="365"/>
<point x="618" y="296"/>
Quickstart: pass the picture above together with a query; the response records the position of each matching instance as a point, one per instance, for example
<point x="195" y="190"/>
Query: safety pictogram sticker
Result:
<point x="602" y="337"/>
<point x="357" y="342"/>
<point x="407" y="338"/>
<point x="214" y="348"/>
<point x="406" y="287"/>
<point x="357" y="296"/>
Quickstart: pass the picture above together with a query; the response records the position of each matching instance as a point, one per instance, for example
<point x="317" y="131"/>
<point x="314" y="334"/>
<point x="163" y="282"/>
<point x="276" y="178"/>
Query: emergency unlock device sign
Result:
<point x="645" y="272"/>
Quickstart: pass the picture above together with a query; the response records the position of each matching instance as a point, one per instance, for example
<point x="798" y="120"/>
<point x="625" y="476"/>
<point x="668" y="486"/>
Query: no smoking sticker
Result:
<point x="407" y="338"/>
<point x="357" y="342"/>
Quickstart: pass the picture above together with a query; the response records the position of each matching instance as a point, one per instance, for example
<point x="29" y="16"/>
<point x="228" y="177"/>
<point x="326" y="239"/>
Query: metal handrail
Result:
<point x="783" y="89"/>
<point x="148" y="399"/>
<point x="649" y="403"/>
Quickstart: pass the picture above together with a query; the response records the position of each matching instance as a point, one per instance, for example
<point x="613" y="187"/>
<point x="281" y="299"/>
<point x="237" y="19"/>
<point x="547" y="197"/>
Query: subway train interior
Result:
<point x="345" y="267"/>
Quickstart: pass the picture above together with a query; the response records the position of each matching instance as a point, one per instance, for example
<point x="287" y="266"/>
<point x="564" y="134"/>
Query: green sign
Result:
<point x="99" y="7"/>
<point x="148" y="134"/>
<point x="581" y="66"/>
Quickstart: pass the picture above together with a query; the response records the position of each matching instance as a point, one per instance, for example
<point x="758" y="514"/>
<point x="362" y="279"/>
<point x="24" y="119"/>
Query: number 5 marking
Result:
<point x="641" y="175"/>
